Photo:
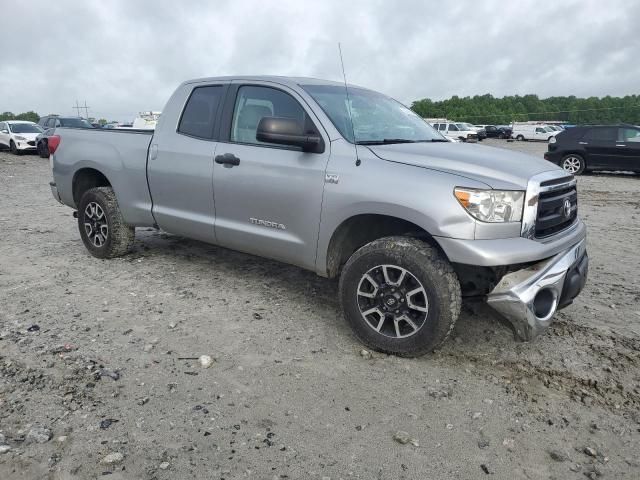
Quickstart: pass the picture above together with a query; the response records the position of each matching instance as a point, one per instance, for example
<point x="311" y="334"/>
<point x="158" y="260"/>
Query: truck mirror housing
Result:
<point x="288" y="131"/>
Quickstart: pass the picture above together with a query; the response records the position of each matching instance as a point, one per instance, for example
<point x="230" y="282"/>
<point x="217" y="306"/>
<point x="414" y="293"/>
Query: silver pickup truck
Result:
<point x="348" y="183"/>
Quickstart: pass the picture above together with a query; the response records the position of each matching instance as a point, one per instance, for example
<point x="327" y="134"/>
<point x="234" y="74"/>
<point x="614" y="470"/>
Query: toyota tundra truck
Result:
<point x="348" y="183"/>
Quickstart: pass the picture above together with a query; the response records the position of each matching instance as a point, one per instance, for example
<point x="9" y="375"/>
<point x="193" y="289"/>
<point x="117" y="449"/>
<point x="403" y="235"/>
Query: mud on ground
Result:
<point x="99" y="372"/>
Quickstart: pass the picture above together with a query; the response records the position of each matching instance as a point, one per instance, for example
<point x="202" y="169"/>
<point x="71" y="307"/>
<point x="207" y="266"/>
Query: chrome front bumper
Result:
<point x="529" y="298"/>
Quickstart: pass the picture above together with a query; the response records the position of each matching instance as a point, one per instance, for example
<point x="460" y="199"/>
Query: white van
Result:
<point x="533" y="132"/>
<point x="458" y="131"/>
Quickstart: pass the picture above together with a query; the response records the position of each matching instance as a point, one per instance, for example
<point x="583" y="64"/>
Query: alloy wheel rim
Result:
<point x="392" y="301"/>
<point x="571" y="164"/>
<point x="95" y="224"/>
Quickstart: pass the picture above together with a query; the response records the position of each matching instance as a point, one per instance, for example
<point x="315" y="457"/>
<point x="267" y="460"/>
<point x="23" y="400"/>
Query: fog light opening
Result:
<point x="545" y="303"/>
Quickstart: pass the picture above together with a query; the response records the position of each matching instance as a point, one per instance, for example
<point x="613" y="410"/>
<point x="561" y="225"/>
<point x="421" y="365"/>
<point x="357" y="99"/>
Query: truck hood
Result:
<point x="496" y="167"/>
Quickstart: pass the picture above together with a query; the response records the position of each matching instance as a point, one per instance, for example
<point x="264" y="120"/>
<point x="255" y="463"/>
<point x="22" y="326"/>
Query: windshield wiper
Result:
<point x="386" y="141"/>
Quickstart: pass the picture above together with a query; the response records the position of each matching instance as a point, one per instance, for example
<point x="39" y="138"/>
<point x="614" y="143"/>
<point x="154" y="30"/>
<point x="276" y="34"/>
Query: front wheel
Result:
<point x="43" y="150"/>
<point x="573" y="164"/>
<point x="400" y="296"/>
<point x="102" y="228"/>
<point x="13" y="148"/>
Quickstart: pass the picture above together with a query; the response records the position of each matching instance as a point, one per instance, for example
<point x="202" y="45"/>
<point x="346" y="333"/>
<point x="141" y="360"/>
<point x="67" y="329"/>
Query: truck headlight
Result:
<point x="493" y="206"/>
<point x="18" y="137"/>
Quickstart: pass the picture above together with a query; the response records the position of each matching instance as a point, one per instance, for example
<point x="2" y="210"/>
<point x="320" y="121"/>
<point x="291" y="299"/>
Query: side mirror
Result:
<point x="5" y="131"/>
<point x="288" y="131"/>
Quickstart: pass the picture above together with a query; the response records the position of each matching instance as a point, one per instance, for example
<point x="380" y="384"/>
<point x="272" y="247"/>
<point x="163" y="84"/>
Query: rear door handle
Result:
<point x="227" y="159"/>
<point x="620" y="145"/>
<point x="583" y="143"/>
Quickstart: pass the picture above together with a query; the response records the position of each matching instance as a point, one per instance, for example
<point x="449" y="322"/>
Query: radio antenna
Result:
<point x="346" y="89"/>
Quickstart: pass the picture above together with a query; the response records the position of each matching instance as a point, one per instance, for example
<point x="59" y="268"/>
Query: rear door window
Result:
<point x="601" y="135"/>
<point x="628" y="135"/>
<point x="199" y="115"/>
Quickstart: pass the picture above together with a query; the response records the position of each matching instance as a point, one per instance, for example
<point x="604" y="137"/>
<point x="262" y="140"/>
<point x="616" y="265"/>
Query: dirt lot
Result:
<point x="98" y="372"/>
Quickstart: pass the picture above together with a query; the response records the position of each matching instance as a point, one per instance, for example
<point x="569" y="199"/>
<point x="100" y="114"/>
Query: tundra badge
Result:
<point x="331" y="178"/>
<point x="266" y="223"/>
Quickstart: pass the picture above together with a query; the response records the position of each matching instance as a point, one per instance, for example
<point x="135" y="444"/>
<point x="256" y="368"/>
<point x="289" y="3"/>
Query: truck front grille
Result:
<point x="557" y="209"/>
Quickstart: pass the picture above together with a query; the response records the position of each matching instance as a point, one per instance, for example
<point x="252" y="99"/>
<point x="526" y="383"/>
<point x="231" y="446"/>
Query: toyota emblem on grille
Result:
<point x="566" y="208"/>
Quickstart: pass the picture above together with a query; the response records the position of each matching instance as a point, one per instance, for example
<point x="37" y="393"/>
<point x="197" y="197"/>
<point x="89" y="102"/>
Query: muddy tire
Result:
<point x="400" y="296"/>
<point x="102" y="228"/>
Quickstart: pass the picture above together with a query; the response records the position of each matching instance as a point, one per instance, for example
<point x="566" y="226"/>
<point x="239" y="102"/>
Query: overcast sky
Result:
<point x="124" y="56"/>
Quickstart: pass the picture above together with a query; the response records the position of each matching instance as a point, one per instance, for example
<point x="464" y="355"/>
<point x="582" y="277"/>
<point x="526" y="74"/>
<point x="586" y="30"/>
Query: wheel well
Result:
<point x="578" y="153"/>
<point x="85" y="179"/>
<point x="359" y="230"/>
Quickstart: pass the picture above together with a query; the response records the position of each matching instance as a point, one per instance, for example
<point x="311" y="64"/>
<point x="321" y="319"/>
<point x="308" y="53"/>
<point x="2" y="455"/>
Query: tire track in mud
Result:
<point x="581" y="363"/>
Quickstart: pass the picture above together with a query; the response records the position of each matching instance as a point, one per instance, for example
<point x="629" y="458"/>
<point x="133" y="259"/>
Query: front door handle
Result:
<point x="227" y="159"/>
<point x="583" y="143"/>
<point x="620" y="145"/>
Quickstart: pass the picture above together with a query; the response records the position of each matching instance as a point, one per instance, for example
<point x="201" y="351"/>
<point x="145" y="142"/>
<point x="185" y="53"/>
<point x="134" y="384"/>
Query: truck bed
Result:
<point x="120" y="154"/>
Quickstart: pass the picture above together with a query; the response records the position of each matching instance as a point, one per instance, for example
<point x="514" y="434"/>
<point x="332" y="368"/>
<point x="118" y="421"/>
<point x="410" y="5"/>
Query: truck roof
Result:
<point x="283" y="80"/>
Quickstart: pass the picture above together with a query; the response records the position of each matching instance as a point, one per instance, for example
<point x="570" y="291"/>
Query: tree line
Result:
<point x="487" y="109"/>
<point x="34" y="117"/>
<point x="30" y="116"/>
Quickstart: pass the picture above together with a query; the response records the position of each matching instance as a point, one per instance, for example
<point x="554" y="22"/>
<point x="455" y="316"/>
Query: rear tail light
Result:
<point x="54" y="143"/>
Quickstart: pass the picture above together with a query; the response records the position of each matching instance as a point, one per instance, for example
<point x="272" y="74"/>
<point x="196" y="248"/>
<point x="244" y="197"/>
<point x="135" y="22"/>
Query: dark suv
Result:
<point x="495" y="131"/>
<point x="49" y="123"/>
<point x="596" y="147"/>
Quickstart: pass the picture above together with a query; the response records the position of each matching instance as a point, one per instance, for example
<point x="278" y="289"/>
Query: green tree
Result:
<point x="486" y="109"/>
<point x="31" y="116"/>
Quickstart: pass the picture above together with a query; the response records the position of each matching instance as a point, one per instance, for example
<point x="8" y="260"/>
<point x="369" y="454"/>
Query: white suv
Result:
<point x="457" y="131"/>
<point x="19" y="135"/>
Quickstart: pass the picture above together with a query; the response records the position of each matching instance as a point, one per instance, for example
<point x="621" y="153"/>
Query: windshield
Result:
<point x="75" y="123"/>
<point x="25" y="128"/>
<point x="376" y="117"/>
<point x="550" y="129"/>
<point x="466" y="126"/>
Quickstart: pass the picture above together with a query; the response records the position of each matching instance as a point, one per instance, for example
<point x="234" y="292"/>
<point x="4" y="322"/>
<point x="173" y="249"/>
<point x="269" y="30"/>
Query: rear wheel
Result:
<point x="520" y="138"/>
<point x="102" y="228"/>
<point x="573" y="164"/>
<point x="400" y="296"/>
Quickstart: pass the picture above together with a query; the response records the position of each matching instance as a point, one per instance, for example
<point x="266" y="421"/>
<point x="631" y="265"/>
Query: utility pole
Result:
<point x="79" y="107"/>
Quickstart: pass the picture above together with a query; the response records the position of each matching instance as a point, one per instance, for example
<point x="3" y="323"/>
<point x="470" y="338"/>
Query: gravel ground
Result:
<point x="99" y="372"/>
